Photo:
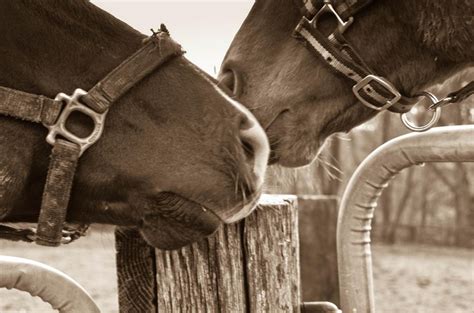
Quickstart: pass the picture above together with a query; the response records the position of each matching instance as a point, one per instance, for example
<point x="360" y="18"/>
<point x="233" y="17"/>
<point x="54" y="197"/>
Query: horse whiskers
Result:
<point x="274" y="139"/>
<point x="334" y="166"/>
<point x="231" y="160"/>
<point x="236" y="182"/>
<point x="329" y="168"/>
<point x="339" y="136"/>
<point x="244" y="197"/>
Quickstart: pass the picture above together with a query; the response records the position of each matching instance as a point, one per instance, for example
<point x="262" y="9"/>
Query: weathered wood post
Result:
<point x="251" y="266"/>
<point x="318" y="252"/>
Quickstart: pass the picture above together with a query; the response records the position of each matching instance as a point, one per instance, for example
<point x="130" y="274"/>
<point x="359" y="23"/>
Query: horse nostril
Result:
<point x="246" y="123"/>
<point x="255" y="146"/>
<point x="230" y="80"/>
<point x="227" y="81"/>
<point x="248" y="150"/>
<point x="247" y="138"/>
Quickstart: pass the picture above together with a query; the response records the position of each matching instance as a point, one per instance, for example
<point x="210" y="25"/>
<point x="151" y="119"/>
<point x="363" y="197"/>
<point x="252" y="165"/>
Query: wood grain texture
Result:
<point x="251" y="266"/>
<point x="272" y="256"/>
<point x="135" y="272"/>
<point x="189" y="279"/>
<point x="318" y="254"/>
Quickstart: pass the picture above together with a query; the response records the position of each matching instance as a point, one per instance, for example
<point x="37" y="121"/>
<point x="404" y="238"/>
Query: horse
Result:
<point x="292" y="61"/>
<point x="177" y="156"/>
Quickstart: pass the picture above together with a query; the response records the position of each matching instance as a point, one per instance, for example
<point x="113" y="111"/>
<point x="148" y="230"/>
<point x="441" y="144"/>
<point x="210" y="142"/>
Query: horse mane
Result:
<point x="77" y="17"/>
<point x="446" y="27"/>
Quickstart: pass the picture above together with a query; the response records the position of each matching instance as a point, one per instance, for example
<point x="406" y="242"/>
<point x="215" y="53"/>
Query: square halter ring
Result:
<point x="328" y="8"/>
<point x="364" y="85"/>
<point x="72" y="103"/>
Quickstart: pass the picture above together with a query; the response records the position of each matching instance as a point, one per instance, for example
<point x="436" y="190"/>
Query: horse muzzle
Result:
<point x="172" y="221"/>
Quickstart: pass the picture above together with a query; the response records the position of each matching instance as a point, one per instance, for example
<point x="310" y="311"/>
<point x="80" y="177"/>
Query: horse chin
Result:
<point x="289" y="148"/>
<point x="177" y="222"/>
<point x="294" y="158"/>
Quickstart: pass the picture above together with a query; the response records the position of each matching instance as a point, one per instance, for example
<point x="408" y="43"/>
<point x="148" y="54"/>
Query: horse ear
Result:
<point x="164" y="29"/>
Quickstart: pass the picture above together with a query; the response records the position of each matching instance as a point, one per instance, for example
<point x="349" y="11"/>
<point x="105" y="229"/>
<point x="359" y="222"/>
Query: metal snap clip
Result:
<point x="328" y="8"/>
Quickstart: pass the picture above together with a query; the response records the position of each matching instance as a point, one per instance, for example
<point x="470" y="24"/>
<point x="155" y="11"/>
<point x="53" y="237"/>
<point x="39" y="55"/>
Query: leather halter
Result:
<point x="67" y="147"/>
<point x="373" y="91"/>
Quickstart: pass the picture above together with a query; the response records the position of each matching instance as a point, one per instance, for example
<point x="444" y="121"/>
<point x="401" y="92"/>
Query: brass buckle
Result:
<point x="72" y="103"/>
<point x="384" y="83"/>
<point x="328" y="8"/>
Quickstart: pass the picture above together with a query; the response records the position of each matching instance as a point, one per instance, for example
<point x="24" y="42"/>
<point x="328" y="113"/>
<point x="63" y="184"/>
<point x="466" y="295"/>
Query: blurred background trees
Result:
<point x="431" y="204"/>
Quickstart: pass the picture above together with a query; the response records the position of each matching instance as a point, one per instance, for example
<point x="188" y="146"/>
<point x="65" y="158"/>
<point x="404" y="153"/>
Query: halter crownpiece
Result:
<point x="68" y="147"/>
<point x="373" y="91"/>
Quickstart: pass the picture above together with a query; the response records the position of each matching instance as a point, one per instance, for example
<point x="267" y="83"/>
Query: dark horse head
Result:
<point x="300" y="100"/>
<point x="177" y="156"/>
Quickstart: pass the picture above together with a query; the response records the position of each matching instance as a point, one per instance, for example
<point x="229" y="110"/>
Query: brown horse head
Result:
<point x="300" y="100"/>
<point x="177" y="156"/>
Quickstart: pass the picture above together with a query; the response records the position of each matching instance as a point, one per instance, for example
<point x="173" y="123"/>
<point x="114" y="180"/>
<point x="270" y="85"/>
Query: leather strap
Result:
<point x="462" y="94"/>
<point x="157" y="50"/>
<point x="373" y="91"/>
<point x="341" y="57"/>
<point x="57" y="190"/>
<point x="70" y="233"/>
<point x="28" y="107"/>
<point x="10" y="233"/>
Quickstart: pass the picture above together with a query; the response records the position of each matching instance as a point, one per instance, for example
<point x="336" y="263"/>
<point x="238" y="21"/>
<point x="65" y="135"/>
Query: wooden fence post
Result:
<point x="135" y="272"/>
<point x="318" y="255"/>
<point x="251" y="266"/>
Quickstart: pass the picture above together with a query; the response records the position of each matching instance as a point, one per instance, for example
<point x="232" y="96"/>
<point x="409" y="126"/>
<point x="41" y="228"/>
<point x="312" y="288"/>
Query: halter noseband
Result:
<point x="68" y="147"/>
<point x="373" y="91"/>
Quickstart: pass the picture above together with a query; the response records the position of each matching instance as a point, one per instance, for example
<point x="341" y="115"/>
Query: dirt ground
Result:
<point x="408" y="278"/>
<point x="422" y="279"/>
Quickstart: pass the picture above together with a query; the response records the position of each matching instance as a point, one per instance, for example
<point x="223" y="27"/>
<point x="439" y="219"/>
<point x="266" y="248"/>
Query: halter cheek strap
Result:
<point x="373" y="91"/>
<point x="67" y="147"/>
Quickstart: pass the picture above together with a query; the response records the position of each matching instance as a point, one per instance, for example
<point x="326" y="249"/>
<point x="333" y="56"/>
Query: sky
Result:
<point x="204" y="28"/>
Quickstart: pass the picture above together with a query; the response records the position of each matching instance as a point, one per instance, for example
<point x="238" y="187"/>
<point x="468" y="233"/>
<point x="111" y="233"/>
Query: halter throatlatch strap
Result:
<point x="67" y="147"/>
<point x="371" y="90"/>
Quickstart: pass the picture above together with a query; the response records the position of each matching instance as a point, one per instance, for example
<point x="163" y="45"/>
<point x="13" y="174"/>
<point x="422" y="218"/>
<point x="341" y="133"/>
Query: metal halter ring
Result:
<point x="72" y="104"/>
<point x="435" y="118"/>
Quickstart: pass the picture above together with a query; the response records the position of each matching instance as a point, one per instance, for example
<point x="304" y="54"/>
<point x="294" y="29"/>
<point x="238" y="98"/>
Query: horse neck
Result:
<point x="428" y="41"/>
<point x="444" y="27"/>
<point x="50" y="47"/>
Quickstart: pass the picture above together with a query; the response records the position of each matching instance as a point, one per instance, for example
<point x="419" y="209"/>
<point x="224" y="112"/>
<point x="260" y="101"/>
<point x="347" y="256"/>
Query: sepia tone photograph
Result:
<point x="253" y="156"/>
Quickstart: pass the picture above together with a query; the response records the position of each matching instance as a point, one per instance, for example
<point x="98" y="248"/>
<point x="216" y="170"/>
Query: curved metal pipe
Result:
<point x="441" y="144"/>
<point x="51" y="285"/>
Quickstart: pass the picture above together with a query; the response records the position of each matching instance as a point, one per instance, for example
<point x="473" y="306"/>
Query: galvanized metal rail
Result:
<point x="442" y="144"/>
<point x="52" y="286"/>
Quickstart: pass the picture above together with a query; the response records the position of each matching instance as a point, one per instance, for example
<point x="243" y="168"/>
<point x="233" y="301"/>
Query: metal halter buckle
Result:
<point x="328" y="8"/>
<point x="72" y="103"/>
<point x="434" y="119"/>
<point x="384" y="83"/>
